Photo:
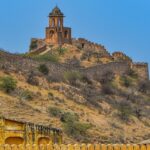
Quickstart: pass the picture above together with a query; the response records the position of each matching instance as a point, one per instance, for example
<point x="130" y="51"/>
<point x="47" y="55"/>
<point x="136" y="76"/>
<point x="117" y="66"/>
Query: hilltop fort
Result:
<point x="57" y="36"/>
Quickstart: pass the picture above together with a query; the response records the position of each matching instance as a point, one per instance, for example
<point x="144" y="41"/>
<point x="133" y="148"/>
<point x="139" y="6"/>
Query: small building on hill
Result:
<point x="56" y="33"/>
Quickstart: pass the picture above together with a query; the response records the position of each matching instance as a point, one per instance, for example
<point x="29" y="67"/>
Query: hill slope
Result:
<point x="109" y="108"/>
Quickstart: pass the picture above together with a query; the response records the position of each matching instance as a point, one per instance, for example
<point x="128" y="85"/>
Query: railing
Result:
<point x="77" y="147"/>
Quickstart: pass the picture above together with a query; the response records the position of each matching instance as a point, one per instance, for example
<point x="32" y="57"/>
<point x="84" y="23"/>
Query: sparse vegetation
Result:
<point x="31" y="79"/>
<point x="72" y="76"/>
<point x="26" y="95"/>
<point x="50" y="95"/>
<point x="76" y="129"/>
<point x="61" y="50"/>
<point x="80" y="100"/>
<point x="125" y="110"/>
<point x="43" y="69"/>
<point x="8" y="84"/>
<point x="47" y="57"/>
<point x="68" y="116"/>
<point x="73" y="127"/>
<point x="126" y="81"/>
<point x="54" y="111"/>
<point x="132" y="73"/>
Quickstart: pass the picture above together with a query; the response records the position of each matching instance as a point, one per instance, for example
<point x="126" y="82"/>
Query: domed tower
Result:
<point x="56" y="33"/>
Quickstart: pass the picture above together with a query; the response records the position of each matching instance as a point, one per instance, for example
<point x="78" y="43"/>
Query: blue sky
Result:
<point x="119" y="25"/>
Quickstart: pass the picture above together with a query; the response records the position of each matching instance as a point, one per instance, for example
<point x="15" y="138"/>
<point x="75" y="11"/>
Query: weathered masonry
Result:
<point x="15" y="132"/>
<point x="56" y="33"/>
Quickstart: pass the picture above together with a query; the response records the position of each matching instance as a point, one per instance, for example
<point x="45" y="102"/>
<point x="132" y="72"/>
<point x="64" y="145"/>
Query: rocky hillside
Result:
<point x="107" y="103"/>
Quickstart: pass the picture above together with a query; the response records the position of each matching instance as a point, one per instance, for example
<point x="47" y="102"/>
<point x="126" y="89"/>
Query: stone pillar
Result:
<point x="2" y="132"/>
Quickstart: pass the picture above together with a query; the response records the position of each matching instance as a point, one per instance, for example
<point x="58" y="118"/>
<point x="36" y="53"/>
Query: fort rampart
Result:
<point x="25" y="65"/>
<point x="88" y="45"/>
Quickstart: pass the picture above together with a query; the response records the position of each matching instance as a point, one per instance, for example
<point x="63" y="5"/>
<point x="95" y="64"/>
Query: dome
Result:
<point x="56" y="12"/>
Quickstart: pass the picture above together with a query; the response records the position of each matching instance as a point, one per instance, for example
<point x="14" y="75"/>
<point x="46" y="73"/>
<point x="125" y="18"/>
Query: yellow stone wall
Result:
<point x="76" y="147"/>
<point x="14" y="132"/>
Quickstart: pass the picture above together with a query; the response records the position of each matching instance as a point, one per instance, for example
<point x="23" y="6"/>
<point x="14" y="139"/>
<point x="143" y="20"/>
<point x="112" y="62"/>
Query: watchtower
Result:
<point x="56" y="33"/>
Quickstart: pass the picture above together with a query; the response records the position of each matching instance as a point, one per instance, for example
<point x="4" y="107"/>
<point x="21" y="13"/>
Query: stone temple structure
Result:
<point x="56" y="33"/>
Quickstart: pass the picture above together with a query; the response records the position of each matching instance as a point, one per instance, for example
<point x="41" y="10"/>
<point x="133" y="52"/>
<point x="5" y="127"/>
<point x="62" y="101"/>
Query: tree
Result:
<point x="43" y="69"/>
<point x="125" y="110"/>
<point x="8" y="84"/>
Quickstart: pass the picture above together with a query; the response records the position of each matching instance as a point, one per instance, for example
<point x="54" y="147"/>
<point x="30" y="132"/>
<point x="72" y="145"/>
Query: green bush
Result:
<point x="8" y="84"/>
<point x="125" y="81"/>
<point x="50" y="95"/>
<point x="76" y="129"/>
<point x="26" y="95"/>
<point x="54" y="111"/>
<point x="69" y="117"/>
<point x="125" y="110"/>
<point x="61" y="50"/>
<point x="43" y="69"/>
<point x="50" y="57"/>
<point x="72" y="76"/>
<point x="72" y="126"/>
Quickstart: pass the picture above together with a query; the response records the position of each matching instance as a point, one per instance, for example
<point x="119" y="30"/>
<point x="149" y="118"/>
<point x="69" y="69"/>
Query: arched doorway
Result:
<point x="66" y="34"/>
<point x="14" y="140"/>
<point x="43" y="141"/>
<point x="51" y="34"/>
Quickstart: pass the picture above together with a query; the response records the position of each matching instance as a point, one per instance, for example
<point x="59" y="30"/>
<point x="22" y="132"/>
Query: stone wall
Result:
<point x="121" y="56"/>
<point x="142" y="70"/>
<point x="78" y="147"/>
<point x="99" y="70"/>
<point x="40" y="43"/>
<point x="14" y="63"/>
<point x="88" y="45"/>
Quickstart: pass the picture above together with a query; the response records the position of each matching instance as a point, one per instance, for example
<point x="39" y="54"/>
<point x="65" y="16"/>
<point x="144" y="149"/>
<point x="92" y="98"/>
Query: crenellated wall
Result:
<point x="78" y="147"/>
<point x="88" y="45"/>
<point x="121" y="57"/>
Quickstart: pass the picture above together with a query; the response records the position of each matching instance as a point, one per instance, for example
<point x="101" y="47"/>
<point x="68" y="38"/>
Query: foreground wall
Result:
<point x="76" y="147"/>
<point x="14" y="132"/>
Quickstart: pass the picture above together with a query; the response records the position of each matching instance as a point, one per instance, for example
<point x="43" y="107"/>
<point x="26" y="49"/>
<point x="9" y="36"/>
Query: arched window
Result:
<point x="58" y="22"/>
<point x="14" y="140"/>
<point x="43" y="141"/>
<point x="51" y="34"/>
<point x="66" y="34"/>
<point x="53" y="22"/>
